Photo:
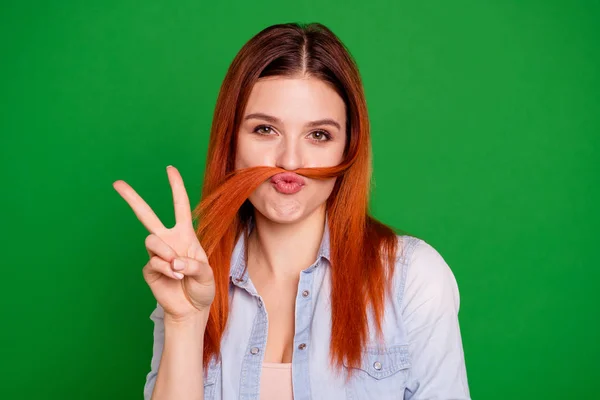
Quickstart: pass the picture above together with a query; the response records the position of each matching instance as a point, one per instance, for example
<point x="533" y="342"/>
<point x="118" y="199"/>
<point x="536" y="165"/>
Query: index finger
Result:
<point x="141" y="209"/>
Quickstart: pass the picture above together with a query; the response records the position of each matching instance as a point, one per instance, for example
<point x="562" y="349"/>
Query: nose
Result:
<point x="289" y="155"/>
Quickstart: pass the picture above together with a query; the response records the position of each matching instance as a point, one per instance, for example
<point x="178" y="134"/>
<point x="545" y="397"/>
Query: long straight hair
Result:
<point x="363" y="250"/>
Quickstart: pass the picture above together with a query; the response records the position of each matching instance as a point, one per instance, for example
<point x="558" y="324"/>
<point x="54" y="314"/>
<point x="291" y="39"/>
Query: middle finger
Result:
<point x="181" y="200"/>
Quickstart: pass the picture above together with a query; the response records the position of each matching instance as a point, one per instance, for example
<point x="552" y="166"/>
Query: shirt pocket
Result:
<point x="382" y="374"/>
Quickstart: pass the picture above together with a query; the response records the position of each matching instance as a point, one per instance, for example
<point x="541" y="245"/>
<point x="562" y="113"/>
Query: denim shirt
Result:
<point x="421" y="356"/>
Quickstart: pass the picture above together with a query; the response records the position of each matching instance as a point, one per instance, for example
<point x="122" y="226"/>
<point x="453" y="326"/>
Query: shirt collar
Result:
<point x="237" y="270"/>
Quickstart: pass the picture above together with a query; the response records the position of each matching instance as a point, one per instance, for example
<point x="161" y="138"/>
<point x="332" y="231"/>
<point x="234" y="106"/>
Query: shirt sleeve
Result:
<point x="157" y="317"/>
<point x="430" y="307"/>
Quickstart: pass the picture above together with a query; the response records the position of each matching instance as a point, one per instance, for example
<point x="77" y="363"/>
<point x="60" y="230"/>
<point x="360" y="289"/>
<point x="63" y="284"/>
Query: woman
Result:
<point x="288" y="288"/>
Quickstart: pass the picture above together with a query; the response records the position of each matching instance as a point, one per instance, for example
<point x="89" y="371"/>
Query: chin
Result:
<point x="284" y="220"/>
<point x="286" y="213"/>
<point x="276" y="207"/>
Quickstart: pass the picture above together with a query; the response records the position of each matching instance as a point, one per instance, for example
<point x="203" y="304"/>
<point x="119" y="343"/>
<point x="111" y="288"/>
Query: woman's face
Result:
<point x="291" y="123"/>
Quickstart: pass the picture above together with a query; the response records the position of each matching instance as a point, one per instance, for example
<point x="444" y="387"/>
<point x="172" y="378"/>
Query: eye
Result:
<point x="263" y="130"/>
<point x="321" y="136"/>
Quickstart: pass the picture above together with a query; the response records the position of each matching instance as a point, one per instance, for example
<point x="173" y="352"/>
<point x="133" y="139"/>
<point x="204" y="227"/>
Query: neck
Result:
<point x="280" y="251"/>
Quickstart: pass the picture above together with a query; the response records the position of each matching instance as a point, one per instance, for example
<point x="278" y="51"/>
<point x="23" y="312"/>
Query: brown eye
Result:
<point x="321" y="136"/>
<point x="263" y="129"/>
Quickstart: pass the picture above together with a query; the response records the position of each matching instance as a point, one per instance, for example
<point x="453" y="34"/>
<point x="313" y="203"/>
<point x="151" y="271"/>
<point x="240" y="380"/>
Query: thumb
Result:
<point x="198" y="270"/>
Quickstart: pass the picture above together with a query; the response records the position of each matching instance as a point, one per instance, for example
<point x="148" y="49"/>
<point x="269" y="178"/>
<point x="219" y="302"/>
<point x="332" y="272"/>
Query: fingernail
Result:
<point x="178" y="265"/>
<point x="169" y="166"/>
<point x="178" y="275"/>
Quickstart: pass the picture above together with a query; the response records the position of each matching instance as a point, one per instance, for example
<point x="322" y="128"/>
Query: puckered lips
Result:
<point x="287" y="182"/>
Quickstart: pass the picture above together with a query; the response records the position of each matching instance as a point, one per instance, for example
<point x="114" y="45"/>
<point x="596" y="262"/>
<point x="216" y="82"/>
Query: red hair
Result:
<point x="357" y="240"/>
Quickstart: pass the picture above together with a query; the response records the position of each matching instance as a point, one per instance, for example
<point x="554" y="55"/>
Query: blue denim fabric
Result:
<point x="420" y="358"/>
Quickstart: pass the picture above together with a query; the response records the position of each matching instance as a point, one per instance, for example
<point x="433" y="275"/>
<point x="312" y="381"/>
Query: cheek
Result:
<point x="250" y="154"/>
<point x="330" y="184"/>
<point x="243" y="156"/>
<point x="336" y="154"/>
<point x="321" y="189"/>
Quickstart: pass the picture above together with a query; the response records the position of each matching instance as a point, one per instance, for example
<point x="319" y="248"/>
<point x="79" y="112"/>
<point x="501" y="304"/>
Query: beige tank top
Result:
<point x="276" y="382"/>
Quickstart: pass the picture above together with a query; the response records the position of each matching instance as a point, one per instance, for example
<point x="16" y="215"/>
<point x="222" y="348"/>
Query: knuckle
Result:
<point x="155" y="262"/>
<point x="184" y="263"/>
<point x="200" y="256"/>
<point x="192" y="266"/>
<point x="203" y="259"/>
<point x="196" y="264"/>
<point x="149" y="240"/>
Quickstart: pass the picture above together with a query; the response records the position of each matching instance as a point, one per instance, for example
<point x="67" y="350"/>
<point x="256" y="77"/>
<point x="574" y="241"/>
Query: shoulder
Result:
<point x="422" y="274"/>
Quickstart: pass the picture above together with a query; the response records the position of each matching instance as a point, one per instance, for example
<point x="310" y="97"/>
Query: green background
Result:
<point x="485" y="118"/>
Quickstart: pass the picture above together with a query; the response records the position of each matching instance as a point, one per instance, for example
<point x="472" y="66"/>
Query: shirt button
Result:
<point x="305" y="293"/>
<point x="377" y="365"/>
<point x="301" y="346"/>
<point x="254" y="350"/>
<point x="260" y="303"/>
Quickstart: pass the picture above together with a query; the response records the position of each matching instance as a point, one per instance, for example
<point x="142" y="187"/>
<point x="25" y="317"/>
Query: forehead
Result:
<point x="296" y="99"/>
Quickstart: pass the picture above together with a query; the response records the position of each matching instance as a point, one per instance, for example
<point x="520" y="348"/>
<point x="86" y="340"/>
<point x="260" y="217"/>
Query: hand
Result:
<point x="178" y="272"/>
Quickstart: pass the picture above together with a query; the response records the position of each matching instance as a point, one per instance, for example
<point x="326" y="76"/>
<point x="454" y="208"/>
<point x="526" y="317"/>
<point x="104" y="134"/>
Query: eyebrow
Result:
<point x="311" y="124"/>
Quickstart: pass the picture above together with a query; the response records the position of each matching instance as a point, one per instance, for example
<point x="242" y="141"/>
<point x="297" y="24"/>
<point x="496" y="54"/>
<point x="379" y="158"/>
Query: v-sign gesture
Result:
<point x="178" y="272"/>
